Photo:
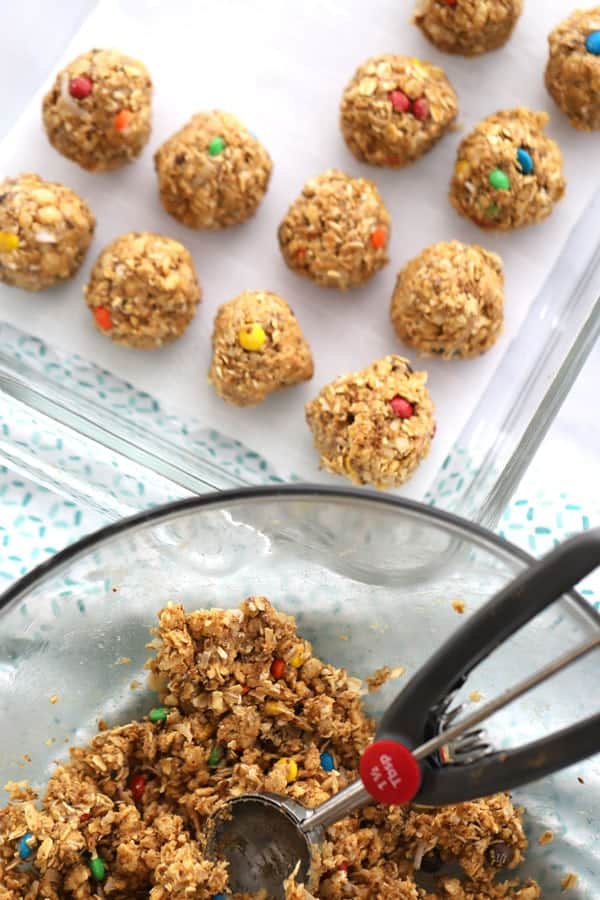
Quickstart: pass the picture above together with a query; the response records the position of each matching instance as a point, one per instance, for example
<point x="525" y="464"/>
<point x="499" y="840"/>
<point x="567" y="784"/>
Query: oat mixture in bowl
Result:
<point x="242" y="700"/>
<point x="244" y="706"/>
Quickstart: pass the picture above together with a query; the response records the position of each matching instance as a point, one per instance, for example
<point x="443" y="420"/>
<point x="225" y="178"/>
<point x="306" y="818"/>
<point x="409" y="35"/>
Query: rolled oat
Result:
<point x="336" y="232"/>
<point x="213" y="172"/>
<point x="143" y="290"/>
<point x="98" y="111"/>
<point x="363" y="433"/>
<point x="45" y="231"/>
<point x="468" y="27"/>
<point x="449" y="301"/>
<point x="508" y="172"/>
<point x="573" y="70"/>
<point x="395" y="109"/>
<point x="258" y="348"/>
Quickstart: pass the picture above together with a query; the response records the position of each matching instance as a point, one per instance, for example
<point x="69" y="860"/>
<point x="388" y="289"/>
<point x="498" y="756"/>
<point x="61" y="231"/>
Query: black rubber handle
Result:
<point x="409" y="716"/>
<point x="503" y="771"/>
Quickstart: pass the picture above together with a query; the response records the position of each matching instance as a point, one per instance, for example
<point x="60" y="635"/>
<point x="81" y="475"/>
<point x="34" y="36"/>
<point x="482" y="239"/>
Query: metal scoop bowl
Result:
<point x="266" y="838"/>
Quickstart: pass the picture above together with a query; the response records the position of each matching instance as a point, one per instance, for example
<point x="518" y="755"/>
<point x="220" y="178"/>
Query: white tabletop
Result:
<point x="35" y="33"/>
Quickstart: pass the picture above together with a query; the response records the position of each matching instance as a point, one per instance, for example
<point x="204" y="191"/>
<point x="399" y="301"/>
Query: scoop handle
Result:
<point x="407" y="718"/>
<point x="390" y="771"/>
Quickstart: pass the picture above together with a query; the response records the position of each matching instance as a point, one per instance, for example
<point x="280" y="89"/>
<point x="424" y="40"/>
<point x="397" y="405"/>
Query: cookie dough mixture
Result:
<point x="98" y="111"/>
<point x="468" y="27"/>
<point x="143" y="290"/>
<point x="45" y="230"/>
<point x="573" y="70"/>
<point x="508" y="172"/>
<point x="449" y="300"/>
<point x="374" y="426"/>
<point x="337" y="231"/>
<point x="213" y="172"/>
<point x="395" y="109"/>
<point x="245" y="706"/>
<point x="258" y="348"/>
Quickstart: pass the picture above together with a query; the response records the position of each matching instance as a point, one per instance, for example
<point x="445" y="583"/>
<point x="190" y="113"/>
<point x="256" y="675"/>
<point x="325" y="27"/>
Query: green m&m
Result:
<point x="499" y="180"/>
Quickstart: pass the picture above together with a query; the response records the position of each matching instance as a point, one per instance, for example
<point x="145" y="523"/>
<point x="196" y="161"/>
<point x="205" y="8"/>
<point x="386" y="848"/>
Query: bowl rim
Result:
<point x="89" y="542"/>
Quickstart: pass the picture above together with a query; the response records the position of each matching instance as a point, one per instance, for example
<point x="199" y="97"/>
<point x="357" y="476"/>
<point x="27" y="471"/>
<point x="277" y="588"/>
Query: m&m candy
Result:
<point x="24" y="847"/>
<point x="524" y="161"/>
<point x="327" y="761"/>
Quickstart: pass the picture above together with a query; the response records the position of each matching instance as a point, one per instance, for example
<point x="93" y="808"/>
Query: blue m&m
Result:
<point x="327" y="762"/>
<point x="592" y="43"/>
<point x="25" y="850"/>
<point x="524" y="161"/>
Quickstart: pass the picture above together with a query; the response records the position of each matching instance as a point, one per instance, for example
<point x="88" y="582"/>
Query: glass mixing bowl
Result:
<point x="372" y="581"/>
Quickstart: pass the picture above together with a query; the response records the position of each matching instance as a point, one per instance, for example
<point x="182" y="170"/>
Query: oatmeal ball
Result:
<point x="508" y="172"/>
<point x="374" y="426"/>
<point x="45" y="230"/>
<point x="573" y="70"/>
<point x="337" y="231"/>
<point x="468" y="27"/>
<point x="449" y="300"/>
<point x="143" y="290"/>
<point x="98" y="111"/>
<point x="213" y="172"/>
<point x="258" y="348"/>
<point x="395" y="109"/>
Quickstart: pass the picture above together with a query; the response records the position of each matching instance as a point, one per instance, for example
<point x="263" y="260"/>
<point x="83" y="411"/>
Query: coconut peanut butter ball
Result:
<point x="573" y="70"/>
<point x="395" y="109"/>
<point x="98" y="111"/>
<point x="337" y="231"/>
<point x="143" y="291"/>
<point x="449" y="301"/>
<point x="374" y="426"/>
<point x="45" y="231"/>
<point x="508" y="172"/>
<point x="213" y="172"/>
<point x="258" y="348"/>
<point x="467" y="27"/>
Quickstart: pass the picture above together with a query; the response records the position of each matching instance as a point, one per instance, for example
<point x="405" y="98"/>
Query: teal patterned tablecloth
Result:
<point x="35" y="522"/>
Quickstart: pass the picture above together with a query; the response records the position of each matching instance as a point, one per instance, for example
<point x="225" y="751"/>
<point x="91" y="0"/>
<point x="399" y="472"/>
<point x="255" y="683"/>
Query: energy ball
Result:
<point x="573" y="70"/>
<point x="395" y="109"/>
<point x="143" y="290"/>
<point x="508" y="172"/>
<point x="213" y="172"/>
<point x="258" y="348"/>
<point x="45" y="230"/>
<point x="468" y="27"/>
<point x="98" y="111"/>
<point x="374" y="426"/>
<point x="449" y="300"/>
<point x="337" y="231"/>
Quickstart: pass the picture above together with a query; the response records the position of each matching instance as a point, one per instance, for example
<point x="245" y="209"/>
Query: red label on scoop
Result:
<point x="390" y="772"/>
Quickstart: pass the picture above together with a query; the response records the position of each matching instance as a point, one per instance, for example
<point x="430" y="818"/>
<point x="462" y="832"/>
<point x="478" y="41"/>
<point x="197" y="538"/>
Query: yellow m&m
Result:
<point x="8" y="241"/>
<point x="297" y="659"/>
<point x="252" y="337"/>
<point x="291" y="768"/>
